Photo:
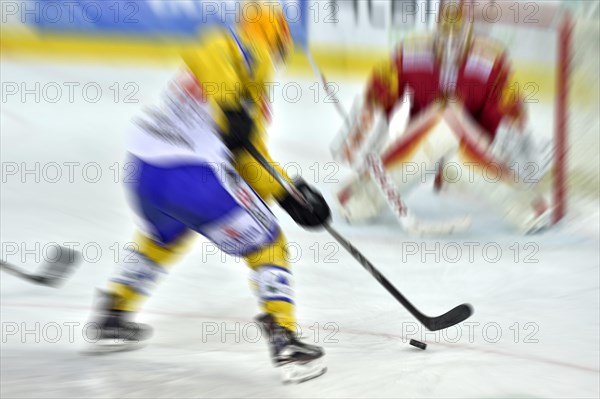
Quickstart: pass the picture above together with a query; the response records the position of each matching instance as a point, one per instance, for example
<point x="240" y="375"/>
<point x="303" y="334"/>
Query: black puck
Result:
<point x="418" y="344"/>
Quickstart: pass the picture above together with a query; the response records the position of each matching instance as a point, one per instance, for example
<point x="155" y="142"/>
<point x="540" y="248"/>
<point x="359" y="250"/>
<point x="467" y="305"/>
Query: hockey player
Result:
<point x="194" y="175"/>
<point x="450" y="71"/>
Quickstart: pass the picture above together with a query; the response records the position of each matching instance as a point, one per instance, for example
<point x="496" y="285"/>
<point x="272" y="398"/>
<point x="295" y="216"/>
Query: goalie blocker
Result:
<point x="444" y="138"/>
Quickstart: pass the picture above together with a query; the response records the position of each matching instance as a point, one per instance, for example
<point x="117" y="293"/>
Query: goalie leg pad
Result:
<point x="407" y="161"/>
<point x="521" y="206"/>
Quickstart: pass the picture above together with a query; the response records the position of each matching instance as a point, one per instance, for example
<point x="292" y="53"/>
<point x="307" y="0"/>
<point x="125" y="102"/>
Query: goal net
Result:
<point x="554" y="48"/>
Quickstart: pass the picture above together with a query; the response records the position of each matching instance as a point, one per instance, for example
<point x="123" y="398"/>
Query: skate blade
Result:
<point x="297" y="372"/>
<point x="103" y="347"/>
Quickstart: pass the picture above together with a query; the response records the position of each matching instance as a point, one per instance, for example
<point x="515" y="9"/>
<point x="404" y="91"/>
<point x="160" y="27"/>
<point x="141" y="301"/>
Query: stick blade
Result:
<point x="56" y="272"/>
<point x="422" y="228"/>
<point x="450" y="318"/>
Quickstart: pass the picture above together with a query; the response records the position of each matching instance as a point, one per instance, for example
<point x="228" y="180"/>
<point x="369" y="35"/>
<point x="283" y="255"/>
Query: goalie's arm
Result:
<point x="504" y="117"/>
<point x="503" y="105"/>
<point x="384" y="87"/>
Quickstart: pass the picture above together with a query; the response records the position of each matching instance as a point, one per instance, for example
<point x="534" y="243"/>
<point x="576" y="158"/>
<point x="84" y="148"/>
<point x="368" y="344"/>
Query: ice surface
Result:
<point x="538" y="297"/>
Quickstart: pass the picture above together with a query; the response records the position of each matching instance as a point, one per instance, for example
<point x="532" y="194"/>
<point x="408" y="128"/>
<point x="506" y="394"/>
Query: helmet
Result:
<point x="454" y="32"/>
<point x="263" y="25"/>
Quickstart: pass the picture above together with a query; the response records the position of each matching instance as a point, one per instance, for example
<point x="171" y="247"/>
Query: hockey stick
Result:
<point x="51" y="273"/>
<point x="448" y="319"/>
<point x="384" y="183"/>
<point x="454" y="316"/>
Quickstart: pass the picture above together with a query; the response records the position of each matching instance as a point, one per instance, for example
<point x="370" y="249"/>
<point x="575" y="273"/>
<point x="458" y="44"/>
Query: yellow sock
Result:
<point x="132" y="292"/>
<point x="273" y="281"/>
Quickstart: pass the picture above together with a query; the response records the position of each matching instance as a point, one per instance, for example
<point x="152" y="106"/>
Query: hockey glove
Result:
<point x="314" y="213"/>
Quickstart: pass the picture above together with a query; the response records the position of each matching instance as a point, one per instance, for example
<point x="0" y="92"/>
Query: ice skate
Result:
<point x="113" y="330"/>
<point x="299" y="361"/>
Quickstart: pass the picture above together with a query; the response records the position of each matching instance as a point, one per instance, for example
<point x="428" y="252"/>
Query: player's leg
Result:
<point x="272" y="281"/>
<point x="150" y="258"/>
<point x="173" y="201"/>
<point x="156" y="246"/>
<point x="270" y="267"/>
<point x="250" y="230"/>
<point x="273" y="284"/>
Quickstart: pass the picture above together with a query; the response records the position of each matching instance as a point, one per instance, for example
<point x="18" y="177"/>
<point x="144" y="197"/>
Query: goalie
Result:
<point x="462" y="112"/>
